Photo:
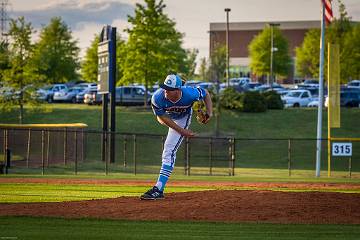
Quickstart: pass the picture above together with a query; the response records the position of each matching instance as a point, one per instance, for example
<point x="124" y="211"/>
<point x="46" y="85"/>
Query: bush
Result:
<point x="253" y="102"/>
<point x="273" y="100"/>
<point x="230" y="99"/>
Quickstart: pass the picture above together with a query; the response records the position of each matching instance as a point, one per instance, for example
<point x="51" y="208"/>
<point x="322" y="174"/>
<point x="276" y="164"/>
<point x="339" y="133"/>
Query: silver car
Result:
<point x="67" y="96"/>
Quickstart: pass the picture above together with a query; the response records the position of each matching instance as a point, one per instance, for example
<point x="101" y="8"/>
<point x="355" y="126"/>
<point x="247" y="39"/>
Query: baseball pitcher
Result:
<point x="172" y="105"/>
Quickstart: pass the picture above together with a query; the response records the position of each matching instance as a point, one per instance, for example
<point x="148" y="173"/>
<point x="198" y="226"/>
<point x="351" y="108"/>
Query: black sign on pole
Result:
<point x="106" y="85"/>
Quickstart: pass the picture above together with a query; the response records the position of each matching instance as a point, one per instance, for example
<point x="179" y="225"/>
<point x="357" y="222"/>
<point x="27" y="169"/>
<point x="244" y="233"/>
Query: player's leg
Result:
<point x="171" y="145"/>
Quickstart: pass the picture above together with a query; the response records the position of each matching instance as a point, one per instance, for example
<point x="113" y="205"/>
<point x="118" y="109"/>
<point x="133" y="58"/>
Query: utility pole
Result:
<point x="227" y="10"/>
<point x="4" y="18"/>
<point x="272" y="50"/>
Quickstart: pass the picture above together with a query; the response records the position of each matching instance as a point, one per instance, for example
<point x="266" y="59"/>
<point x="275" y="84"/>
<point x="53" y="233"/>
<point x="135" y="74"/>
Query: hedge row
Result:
<point x="250" y="101"/>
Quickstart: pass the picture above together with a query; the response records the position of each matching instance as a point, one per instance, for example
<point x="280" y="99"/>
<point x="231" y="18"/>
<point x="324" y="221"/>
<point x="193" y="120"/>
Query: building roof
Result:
<point x="248" y="26"/>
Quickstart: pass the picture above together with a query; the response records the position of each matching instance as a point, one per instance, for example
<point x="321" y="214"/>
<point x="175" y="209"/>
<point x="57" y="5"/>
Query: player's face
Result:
<point x="173" y="95"/>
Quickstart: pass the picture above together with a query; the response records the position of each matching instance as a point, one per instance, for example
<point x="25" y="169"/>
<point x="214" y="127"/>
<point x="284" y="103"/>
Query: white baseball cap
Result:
<point x="172" y="82"/>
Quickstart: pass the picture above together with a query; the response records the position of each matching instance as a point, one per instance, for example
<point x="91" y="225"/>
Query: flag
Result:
<point x="328" y="13"/>
<point x="333" y="86"/>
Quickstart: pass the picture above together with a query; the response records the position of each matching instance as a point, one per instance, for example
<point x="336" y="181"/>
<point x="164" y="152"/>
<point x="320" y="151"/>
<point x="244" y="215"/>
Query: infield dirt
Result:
<point x="312" y="207"/>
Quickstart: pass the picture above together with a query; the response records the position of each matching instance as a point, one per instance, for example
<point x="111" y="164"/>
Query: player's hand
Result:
<point x="207" y="118"/>
<point x="187" y="133"/>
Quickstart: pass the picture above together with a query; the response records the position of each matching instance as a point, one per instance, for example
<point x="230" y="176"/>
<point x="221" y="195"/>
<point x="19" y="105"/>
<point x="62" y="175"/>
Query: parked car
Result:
<point x="47" y="93"/>
<point x="81" y="95"/>
<point x="131" y="95"/>
<point x="67" y="95"/>
<point x="87" y="85"/>
<point x="92" y="97"/>
<point x="126" y="95"/>
<point x="314" y="103"/>
<point x="309" y="83"/>
<point x="208" y="85"/>
<point x="253" y="85"/>
<point x="192" y="83"/>
<point x="347" y="99"/>
<point x="6" y="92"/>
<point x="313" y="90"/>
<point x="265" y="87"/>
<point x="354" y="84"/>
<point x="297" y="98"/>
<point x="239" y="81"/>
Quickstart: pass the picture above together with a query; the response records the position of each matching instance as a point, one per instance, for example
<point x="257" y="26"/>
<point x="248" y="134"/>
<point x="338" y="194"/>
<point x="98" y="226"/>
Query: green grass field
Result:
<point x="57" y="228"/>
<point x="287" y="123"/>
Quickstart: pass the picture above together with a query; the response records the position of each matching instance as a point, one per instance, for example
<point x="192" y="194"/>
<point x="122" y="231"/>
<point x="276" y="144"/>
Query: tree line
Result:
<point x="153" y="49"/>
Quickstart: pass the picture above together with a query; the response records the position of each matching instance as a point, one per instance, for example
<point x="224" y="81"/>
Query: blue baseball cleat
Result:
<point x="153" y="194"/>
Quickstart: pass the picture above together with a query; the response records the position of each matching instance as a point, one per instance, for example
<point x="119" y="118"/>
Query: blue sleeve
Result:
<point x="201" y="93"/>
<point x="157" y="109"/>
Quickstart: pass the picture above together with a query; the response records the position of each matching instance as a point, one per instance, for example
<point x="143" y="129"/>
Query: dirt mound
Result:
<point x="222" y="206"/>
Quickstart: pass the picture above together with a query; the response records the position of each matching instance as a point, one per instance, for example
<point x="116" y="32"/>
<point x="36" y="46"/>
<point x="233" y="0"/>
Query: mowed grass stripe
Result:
<point x="35" y="192"/>
<point x="59" y="228"/>
<point x="31" y="192"/>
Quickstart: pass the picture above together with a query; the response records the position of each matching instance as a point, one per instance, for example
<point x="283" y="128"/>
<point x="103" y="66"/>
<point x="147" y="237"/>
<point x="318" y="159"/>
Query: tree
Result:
<point x="216" y="71"/>
<point x="218" y="63"/>
<point x="307" y="55"/>
<point x="339" y="27"/>
<point x="89" y="65"/>
<point x="4" y="58"/>
<point x="19" y="79"/>
<point x="56" y="53"/>
<point x="154" y="46"/>
<point x="189" y="67"/>
<point x="259" y="52"/>
<point x="203" y="70"/>
<point x="339" y="30"/>
<point x="350" y="64"/>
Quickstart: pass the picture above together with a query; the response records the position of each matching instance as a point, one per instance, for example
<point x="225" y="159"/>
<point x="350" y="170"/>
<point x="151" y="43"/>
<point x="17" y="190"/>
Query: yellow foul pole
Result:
<point x="333" y="94"/>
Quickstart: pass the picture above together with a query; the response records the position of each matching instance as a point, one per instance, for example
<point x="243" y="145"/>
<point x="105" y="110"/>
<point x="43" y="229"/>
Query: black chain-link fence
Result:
<point x="73" y="151"/>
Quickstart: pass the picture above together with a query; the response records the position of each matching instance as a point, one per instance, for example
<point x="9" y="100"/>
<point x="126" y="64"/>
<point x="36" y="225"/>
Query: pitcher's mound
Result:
<point x="222" y="206"/>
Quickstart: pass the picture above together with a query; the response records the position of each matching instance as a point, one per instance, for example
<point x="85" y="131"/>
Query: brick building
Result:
<point x="242" y="33"/>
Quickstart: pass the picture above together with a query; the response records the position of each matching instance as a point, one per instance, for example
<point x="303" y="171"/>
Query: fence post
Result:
<point x="76" y="149"/>
<point x="48" y="148"/>
<point x="42" y="152"/>
<point x="233" y="156"/>
<point x="65" y="141"/>
<point x="28" y="149"/>
<point x="289" y="156"/>
<point x="106" y="151"/>
<point x="7" y="160"/>
<point x="210" y="154"/>
<point x="134" y="153"/>
<point x="125" y="150"/>
<point x="82" y="145"/>
<point x="6" y="143"/>
<point x="350" y="160"/>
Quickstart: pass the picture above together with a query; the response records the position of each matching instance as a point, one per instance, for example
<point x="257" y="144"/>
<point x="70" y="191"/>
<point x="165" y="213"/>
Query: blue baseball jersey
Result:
<point x="179" y="109"/>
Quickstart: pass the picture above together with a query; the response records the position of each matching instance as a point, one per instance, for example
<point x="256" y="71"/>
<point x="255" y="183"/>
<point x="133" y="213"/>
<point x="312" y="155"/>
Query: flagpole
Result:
<point x="321" y="93"/>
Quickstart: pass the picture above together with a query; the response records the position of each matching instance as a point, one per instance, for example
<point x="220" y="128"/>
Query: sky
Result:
<point x="192" y="17"/>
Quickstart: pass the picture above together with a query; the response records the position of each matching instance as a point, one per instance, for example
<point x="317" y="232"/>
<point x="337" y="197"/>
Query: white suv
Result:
<point x="47" y="93"/>
<point x="354" y="84"/>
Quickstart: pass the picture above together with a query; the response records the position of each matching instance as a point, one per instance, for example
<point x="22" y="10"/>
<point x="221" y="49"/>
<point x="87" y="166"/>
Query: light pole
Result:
<point x="272" y="50"/>
<point x="227" y="10"/>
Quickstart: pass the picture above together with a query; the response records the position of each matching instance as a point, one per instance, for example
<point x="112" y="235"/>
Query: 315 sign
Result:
<point x="342" y="149"/>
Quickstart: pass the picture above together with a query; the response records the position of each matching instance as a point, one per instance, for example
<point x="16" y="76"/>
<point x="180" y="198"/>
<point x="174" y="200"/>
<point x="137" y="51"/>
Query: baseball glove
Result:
<point x="201" y="115"/>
